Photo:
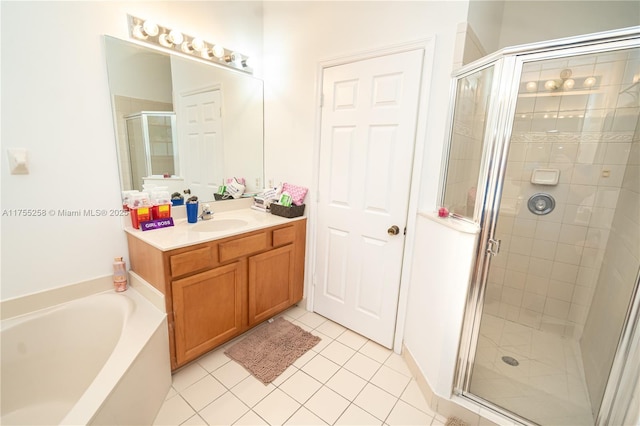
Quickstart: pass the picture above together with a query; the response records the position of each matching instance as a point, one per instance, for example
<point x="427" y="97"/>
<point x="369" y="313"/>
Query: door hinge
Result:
<point x="405" y="230"/>
<point x="322" y="100"/>
<point x="493" y="246"/>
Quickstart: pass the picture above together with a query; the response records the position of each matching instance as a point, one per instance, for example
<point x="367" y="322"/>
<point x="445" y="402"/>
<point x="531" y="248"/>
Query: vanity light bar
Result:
<point x="149" y="32"/>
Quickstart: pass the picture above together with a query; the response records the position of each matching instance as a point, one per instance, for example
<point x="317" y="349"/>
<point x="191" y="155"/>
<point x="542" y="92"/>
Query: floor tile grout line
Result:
<point x="299" y="369"/>
<point x="351" y="401"/>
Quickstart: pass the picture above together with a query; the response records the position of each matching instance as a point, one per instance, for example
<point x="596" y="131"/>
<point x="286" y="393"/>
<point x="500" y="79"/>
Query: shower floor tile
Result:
<point x="547" y="386"/>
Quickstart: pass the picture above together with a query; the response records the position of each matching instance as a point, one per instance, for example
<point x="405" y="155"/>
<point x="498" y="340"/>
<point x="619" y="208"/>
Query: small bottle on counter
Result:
<point x="119" y="274"/>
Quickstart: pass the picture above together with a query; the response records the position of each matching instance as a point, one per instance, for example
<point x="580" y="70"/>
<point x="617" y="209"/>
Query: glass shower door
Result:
<point x="557" y="293"/>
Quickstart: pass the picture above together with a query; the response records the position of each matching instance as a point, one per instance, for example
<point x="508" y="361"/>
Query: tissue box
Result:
<point x="289" y="212"/>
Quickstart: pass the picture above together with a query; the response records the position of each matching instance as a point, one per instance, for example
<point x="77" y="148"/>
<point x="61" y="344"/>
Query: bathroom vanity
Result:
<point x="221" y="277"/>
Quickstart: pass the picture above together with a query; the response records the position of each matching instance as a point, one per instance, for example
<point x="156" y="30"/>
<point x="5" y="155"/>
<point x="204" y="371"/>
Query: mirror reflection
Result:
<point x="183" y="124"/>
<point x="152" y="145"/>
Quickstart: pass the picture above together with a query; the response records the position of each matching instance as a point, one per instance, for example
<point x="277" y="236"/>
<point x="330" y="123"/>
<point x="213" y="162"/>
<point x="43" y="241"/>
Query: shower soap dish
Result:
<point x="545" y="176"/>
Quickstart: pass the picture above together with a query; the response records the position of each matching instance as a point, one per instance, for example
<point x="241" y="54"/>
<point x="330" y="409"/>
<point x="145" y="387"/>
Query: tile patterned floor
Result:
<point x="345" y="379"/>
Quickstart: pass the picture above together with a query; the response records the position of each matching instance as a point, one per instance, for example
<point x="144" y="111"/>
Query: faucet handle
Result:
<point x="206" y="212"/>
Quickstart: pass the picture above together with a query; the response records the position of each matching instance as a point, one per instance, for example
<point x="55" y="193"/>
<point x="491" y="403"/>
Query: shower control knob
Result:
<point x="394" y="230"/>
<point x="541" y="204"/>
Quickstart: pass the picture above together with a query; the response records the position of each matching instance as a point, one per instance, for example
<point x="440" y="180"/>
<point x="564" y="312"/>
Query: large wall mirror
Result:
<point x="182" y="123"/>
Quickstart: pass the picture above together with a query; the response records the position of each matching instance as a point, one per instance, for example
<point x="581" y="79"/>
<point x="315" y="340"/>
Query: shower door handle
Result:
<point x="493" y="246"/>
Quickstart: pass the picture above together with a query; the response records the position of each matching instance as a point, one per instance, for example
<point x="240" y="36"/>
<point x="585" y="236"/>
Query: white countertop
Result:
<point x="182" y="234"/>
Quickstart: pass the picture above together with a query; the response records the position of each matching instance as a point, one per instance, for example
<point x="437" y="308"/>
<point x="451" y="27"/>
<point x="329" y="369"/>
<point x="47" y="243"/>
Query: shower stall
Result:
<point x="544" y="155"/>
<point x="152" y="147"/>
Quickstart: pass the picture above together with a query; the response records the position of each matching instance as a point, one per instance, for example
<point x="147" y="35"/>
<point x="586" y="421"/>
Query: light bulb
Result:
<point x="148" y="28"/>
<point x="138" y="32"/>
<point x="195" y="45"/>
<point x="550" y="85"/>
<point x="151" y="28"/>
<point x="198" y="44"/>
<point x="531" y="86"/>
<point x="236" y="58"/>
<point x="169" y="40"/>
<point x="176" y="37"/>
<point x="568" y="84"/>
<point x="218" y="51"/>
<point x="589" y="81"/>
<point x="164" y="40"/>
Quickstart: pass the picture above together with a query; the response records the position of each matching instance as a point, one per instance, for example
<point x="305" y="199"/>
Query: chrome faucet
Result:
<point x="206" y="212"/>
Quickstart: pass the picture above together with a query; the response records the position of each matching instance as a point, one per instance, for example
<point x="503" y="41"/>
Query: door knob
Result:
<point x="394" y="230"/>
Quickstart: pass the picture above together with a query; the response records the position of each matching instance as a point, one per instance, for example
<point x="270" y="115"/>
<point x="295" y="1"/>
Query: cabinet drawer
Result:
<point x="191" y="261"/>
<point x="242" y="246"/>
<point x="284" y="236"/>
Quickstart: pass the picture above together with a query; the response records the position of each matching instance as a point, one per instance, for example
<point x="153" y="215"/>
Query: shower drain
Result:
<point x="510" y="360"/>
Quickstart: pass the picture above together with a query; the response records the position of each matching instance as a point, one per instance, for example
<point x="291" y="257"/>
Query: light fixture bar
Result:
<point x="149" y="32"/>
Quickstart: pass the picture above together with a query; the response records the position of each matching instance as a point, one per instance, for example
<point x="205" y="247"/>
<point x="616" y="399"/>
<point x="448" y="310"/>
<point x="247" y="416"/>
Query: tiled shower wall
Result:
<point x="548" y="267"/>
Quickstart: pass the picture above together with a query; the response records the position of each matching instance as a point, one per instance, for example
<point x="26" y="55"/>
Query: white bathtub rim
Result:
<point x="138" y="330"/>
<point x="14" y="321"/>
<point x="30" y="303"/>
<point x="141" y="319"/>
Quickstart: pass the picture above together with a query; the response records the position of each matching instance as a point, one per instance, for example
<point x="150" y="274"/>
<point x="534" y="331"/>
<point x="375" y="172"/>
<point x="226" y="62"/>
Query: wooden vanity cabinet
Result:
<point x="271" y="283"/>
<point x="215" y="291"/>
<point x="207" y="310"/>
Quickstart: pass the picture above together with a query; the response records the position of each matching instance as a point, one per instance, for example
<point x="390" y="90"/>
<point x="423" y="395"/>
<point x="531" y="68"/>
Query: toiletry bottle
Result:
<point x="119" y="274"/>
<point x="161" y="205"/>
<point x="139" y="208"/>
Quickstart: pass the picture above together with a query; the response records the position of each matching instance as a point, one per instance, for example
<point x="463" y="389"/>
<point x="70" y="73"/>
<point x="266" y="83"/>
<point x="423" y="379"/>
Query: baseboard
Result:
<point x="445" y="407"/>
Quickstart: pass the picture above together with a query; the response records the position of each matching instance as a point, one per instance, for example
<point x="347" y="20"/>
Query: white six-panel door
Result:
<point x="201" y="143"/>
<point x="368" y="128"/>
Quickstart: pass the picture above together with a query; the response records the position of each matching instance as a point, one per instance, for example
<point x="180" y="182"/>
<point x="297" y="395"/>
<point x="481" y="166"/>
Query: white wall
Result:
<point x="504" y="23"/>
<point x="55" y="103"/>
<point x="74" y="137"/>
<point x="485" y="18"/>
<point x="520" y="19"/>
<point x="298" y="36"/>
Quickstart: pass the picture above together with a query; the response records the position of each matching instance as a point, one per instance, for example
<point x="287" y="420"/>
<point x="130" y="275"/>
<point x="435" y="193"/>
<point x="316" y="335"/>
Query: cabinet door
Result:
<point x="271" y="280"/>
<point x="207" y="309"/>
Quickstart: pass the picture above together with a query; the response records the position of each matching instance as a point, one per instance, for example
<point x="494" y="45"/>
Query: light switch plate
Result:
<point x="18" y="161"/>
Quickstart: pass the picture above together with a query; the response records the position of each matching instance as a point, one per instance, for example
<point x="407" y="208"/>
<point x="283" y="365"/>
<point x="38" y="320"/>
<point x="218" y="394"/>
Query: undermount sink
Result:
<point x="214" y="225"/>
